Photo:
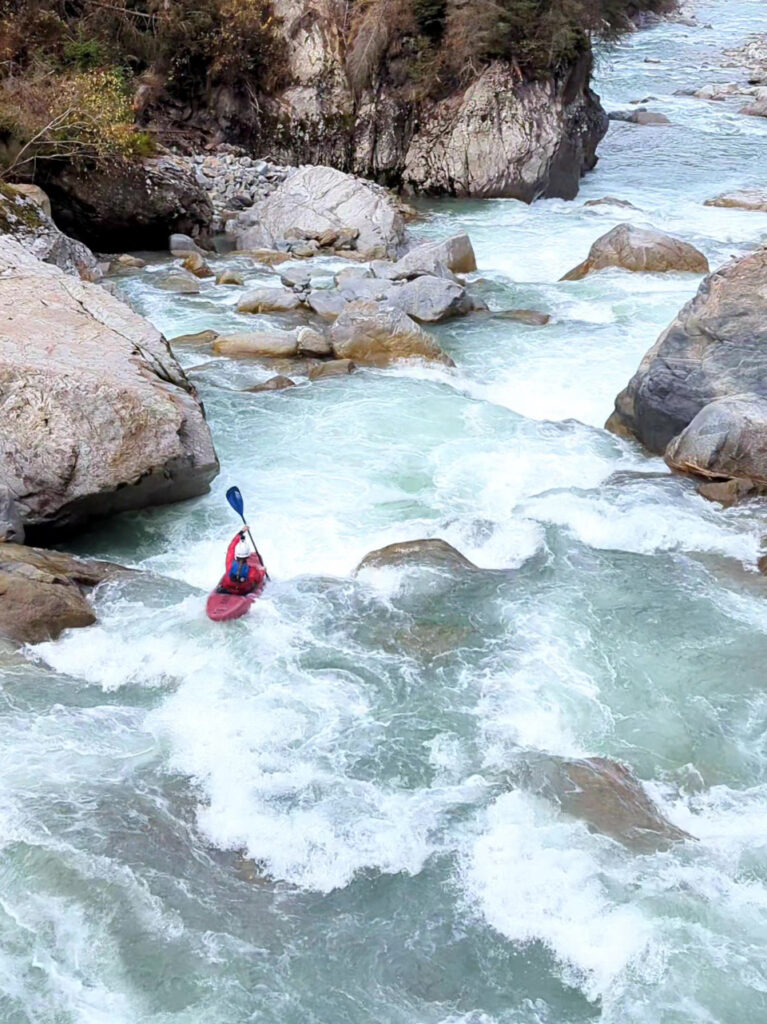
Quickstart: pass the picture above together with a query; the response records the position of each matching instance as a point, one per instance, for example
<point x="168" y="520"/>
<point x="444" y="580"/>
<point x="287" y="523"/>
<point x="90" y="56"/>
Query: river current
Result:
<point x="297" y="818"/>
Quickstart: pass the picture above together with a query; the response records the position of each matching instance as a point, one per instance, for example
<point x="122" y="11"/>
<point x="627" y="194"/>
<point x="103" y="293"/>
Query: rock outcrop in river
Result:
<point x="97" y="415"/>
<point x="706" y="376"/>
<point x="640" y="250"/>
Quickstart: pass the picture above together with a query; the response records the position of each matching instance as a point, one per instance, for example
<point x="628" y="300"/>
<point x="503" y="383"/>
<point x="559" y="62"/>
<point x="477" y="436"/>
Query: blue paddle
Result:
<point x="234" y="497"/>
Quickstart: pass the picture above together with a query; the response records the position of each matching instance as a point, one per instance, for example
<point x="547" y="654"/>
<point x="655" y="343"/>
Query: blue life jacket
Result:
<point x="239" y="571"/>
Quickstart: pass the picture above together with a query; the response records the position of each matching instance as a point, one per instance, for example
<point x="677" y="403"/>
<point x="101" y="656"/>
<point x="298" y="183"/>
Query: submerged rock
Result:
<point x="42" y="592"/>
<point x="278" y="383"/>
<point x="315" y="200"/>
<point x="603" y="793"/>
<point x="716" y="347"/>
<point x="432" y="552"/>
<point x="377" y="334"/>
<point x="183" y="284"/>
<point x="531" y="317"/>
<point x="195" y="264"/>
<point x="640" y="250"/>
<point x="610" y="201"/>
<point x="332" y="368"/>
<point x="233" y="277"/>
<point x="743" y="199"/>
<point x="97" y="415"/>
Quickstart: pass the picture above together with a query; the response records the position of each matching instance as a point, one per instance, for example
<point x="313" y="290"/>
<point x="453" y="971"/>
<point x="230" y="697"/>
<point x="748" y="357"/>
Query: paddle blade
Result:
<point x="234" y="498"/>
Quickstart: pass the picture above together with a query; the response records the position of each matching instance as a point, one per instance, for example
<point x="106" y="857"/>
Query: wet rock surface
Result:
<point x="642" y="251"/>
<point x="377" y="334"/>
<point x="432" y="552"/>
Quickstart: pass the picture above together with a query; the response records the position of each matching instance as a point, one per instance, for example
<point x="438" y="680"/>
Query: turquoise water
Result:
<point x="298" y="819"/>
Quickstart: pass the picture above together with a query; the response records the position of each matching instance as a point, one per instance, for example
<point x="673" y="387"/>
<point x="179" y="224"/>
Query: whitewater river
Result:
<point x="300" y="818"/>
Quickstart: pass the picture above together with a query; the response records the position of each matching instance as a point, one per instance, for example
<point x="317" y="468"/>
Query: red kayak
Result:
<point x="223" y="606"/>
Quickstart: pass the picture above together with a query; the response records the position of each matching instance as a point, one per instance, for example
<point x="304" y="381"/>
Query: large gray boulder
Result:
<point x="726" y="440"/>
<point x="258" y="344"/>
<point x="98" y="416"/>
<point x="377" y="334"/>
<point x="268" y="300"/>
<point x="455" y="253"/>
<point x="716" y="347"/>
<point x="26" y="219"/>
<point x="742" y="199"/>
<point x="431" y="552"/>
<point x="315" y="200"/>
<point x="430" y="299"/>
<point x="603" y="793"/>
<point x="640" y="250"/>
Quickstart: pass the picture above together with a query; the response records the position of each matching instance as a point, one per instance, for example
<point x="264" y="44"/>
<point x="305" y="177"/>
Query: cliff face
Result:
<point x="498" y="135"/>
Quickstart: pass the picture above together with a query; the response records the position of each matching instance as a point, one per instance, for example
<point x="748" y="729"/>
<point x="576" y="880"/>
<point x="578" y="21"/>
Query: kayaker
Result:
<point x="244" y="569"/>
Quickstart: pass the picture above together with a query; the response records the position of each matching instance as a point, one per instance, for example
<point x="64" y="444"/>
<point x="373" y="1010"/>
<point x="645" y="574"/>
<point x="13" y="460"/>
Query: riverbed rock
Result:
<point x="278" y="383"/>
<point x="432" y="552"/>
<point x="610" y="201"/>
<point x="24" y="219"/>
<point x="430" y="299"/>
<point x="644" y="117"/>
<point x="183" y="284"/>
<point x="377" y="334"/>
<point x="128" y="204"/>
<point x="98" y="417"/>
<point x="727" y="439"/>
<point x="268" y="300"/>
<point x="314" y="344"/>
<point x="744" y="199"/>
<point x="603" y="793"/>
<point x="255" y="344"/>
<point x="332" y="368"/>
<point x="200" y="339"/>
<point x="640" y="250"/>
<point x="730" y="492"/>
<point x="531" y="317"/>
<point x="327" y="304"/>
<point x="315" y="200"/>
<point x="233" y="277"/>
<point x="713" y="349"/>
<point x="195" y="264"/>
<point x="757" y="108"/>
<point x="455" y="253"/>
<point x="42" y="593"/>
<point x="180" y="244"/>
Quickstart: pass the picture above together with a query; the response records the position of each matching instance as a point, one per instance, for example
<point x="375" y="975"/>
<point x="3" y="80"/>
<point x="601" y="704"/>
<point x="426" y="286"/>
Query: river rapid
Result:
<point x="298" y="818"/>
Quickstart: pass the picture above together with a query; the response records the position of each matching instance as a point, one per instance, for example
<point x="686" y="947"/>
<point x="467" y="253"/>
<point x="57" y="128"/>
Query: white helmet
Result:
<point x="242" y="551"/>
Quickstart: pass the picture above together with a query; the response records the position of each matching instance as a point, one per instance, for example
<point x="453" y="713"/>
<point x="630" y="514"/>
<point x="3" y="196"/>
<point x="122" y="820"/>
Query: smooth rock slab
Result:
<point x="97" y="415"/>
<point x="278" y="383"/>
<point x="641" y="251"/>
<point x="268" y="300"/>
<point x="455" y="253"/>
<point x="745" y="199"/>
<point x="271" y="344"/>
<point x="332" y="368"/>
<point x="378" y="334"/>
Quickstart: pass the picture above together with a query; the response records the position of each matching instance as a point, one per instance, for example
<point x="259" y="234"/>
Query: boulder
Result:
<point x="42" y="592"/>
<point x="326" y="304"/>
<point x="24" y="219"/>
<point x="11" y="526"/>
<point x="125" y="261"/>
<point x="313" y="343"/>
<point x="640" y="250"/>
<point x="272" y="344"/>
<point x="269" y="257"/>
<point x="196" y="265"/>
<point x="278" y="383"/>
<point x="372" y="288"/>
<point x="730" y="492"/>
<point x="743" y="199"/>
<point x="727" y="439"/>
<point x="531" y="317"/>
<point x="69" y="346"/>
<point x="128" y="204"/>
<point x="430" y="299"/>
<point x="433" y="553"/>
<point x="376" y="334"/>
<point x="332" y="368"/>
<point x="455" y="253"/>
<point x="202" y="339"/>
<point x="183" y="284"/>
<point x="756" y="109"/>
<point x="714" y="348"/>
<point x="355" y="273"/>
<point x="230" y="277"/>
<point x="610" y="201"/>
<point x="315" y="200"/>
<point x="298" y="278"/>
<point x="639" y="117"/>
<point x="180" y="244"/>
<point x="603" y="793"/>
<point x="268" y="300"/>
